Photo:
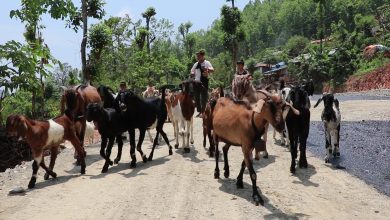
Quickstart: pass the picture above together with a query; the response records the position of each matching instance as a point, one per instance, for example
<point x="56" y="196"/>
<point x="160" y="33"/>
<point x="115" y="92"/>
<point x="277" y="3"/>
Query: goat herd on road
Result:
<point x="241" y="119"/>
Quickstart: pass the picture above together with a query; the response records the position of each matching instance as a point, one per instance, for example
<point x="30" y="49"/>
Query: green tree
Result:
<point x="148" y="14"/>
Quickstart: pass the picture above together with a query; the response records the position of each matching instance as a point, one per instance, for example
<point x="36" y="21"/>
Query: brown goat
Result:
<point x="238" y="124"/>
<point x="43" y="135"/>
<point x="207" y="118"/>
<point x="244" y="90"/>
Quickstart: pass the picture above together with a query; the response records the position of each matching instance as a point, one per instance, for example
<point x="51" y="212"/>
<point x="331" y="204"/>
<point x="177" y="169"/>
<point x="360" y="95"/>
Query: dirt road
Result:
<point x="182" y="187"/>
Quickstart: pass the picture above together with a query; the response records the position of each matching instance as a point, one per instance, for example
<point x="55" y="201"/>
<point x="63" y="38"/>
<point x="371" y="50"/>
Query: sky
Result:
<point x="65" y="43"/>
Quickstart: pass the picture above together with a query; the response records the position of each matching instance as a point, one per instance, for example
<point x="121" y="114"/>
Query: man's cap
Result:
<point x="241" y="62"/>
<point x="201" y="52"/>
<point x="122" y="84"/>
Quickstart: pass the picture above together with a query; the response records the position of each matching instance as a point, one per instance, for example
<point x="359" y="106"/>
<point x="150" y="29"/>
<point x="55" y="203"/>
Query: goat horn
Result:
<point x="265" y="93"/>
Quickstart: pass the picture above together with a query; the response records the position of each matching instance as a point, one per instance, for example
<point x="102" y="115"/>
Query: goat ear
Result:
<point x="258" y="106"/>
<point x="318" y="102"/>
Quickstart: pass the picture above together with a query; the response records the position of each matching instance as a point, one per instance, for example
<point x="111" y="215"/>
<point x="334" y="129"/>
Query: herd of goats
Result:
<point x="240" y="118"/>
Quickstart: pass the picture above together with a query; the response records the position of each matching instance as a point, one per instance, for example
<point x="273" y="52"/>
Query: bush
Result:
<point x="296" y="45"/>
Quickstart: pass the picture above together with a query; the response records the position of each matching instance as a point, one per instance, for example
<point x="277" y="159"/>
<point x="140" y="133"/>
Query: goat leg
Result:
<point x="133" y="162"/>
<point x="108" y="162"/>
<point x="327" y="145"/>
<point x="53" y="157"/>
<point x="240" y="184"/>
<point x="120" y="147"/>
<point x="139" y="144"/>
<point x="225" y="150"/>
<point x="155" y="143"/>
<point x="51" y="173"/>
<point x="256" y="196"/>
<point x="38" y="156"/>
<point x="293" y="151"/>
<point x="338" y="142"/>
<point x="176" y="134"/>
<point x="302" y="156"/>
<point x="216" y="171"/>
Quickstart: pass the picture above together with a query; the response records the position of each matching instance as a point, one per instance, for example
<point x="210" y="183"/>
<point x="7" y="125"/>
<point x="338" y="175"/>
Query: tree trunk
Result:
<point x="84" y="14"/>
<point x="232" y="3"/>
<point x="147" y="36"/>
<point x="42" y="95"/>
<point x="33" y="104"/>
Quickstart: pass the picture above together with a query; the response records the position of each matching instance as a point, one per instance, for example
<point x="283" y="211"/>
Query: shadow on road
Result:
<point x="304" y="175"/>
<point x="229" y="186"/>
<point x="192" y="155"/>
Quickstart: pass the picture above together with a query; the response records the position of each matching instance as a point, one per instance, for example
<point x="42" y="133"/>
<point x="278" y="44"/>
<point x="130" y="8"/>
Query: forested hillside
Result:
<point x="153" y="50"/>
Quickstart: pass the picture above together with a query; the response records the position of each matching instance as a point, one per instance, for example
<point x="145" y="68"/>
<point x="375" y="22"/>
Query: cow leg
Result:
<point x="240" y="183"/>
<point x="120" y="147"/>
<point x="133" y="162"/>
<point x="255" y="195"/>
<point x="327" y="145"/>
<point x="53" y="157"/>
<point x="216" y="171"/>
<point x="293" y="151"/>
<point x="139" y="144"/>
<point x="302" y="148"/>
<point x="37" y="160"/>
<point x="225" y="150"/>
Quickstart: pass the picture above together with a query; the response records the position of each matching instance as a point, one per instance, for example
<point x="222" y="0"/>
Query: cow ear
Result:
<point x="258" y="106"/>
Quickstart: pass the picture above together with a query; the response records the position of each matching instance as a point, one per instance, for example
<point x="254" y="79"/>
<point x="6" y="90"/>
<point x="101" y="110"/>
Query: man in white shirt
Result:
<point x="201" y="71"/>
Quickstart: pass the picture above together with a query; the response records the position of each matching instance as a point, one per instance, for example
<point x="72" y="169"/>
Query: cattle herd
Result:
<point x="240" y="118"/>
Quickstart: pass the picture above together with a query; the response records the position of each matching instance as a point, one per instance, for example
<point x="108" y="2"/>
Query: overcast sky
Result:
<point x="65" y="43"/>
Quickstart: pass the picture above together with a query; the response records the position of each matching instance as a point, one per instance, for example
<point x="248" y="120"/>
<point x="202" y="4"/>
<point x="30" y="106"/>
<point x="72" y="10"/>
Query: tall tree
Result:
<point x="30" y="13"/>
<point x="321" y="6"/>
<point x="92" y="9"/>
<point x="148" y="14"/>
<point x="231" y="20"/>
<point x="232" y="2"/>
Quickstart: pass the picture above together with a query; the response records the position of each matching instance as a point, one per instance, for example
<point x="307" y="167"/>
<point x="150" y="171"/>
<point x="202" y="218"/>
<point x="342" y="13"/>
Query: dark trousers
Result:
<point x="201" y="98"/>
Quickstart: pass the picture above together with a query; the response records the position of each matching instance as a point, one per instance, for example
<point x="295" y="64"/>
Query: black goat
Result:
<point x="298" y="125"/>
<point x="143" y="114"/>
<point x="331" y="118"/>
<point x="111" y="125"/>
